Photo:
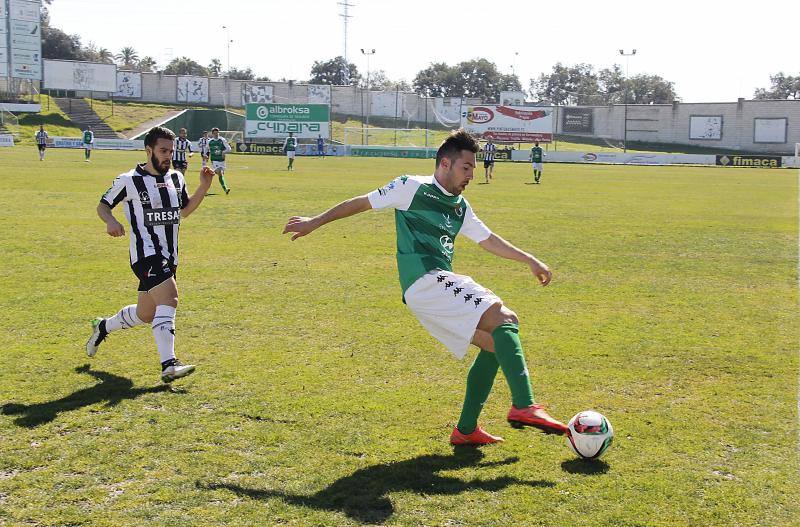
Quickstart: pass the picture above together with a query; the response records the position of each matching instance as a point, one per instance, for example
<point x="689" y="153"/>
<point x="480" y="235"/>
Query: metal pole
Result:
<point x="625" y="117"/>
<point x="396" y="100"/>
<point x="426" y="121"/>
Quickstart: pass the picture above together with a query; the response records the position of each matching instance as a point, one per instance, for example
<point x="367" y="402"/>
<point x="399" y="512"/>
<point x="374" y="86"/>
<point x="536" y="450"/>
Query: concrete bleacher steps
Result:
<point x="82" y="115"/>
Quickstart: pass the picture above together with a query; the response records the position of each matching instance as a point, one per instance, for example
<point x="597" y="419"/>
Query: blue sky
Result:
<point x="712" y="50"/>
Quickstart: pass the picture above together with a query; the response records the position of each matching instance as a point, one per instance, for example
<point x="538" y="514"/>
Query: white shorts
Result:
<point x="290" y="154"/>
<point x="537" y="166"/>
<point x="449" y="306"/>
<point x="88" y="146"/>
<point x="218" y="165"/>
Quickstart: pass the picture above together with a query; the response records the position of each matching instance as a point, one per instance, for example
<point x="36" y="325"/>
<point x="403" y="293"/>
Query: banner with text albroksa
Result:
<point x="513" y="124"/>
<point x="306" y="121"/>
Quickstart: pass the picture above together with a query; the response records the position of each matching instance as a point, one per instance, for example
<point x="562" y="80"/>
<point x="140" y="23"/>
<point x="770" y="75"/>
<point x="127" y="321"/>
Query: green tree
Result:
<point x="242" y="75"/>
<point x="473" y="78"/>
<point x="215" y="68"/>
<point x="570" y="85"/>
<point x="335" y="71"/>
<point x="650" y="89"/>
<point x="147" y="64"/>
<point x="185" y="66"/>
<point x="783" y="87"/>
<point x="127" y="58"/>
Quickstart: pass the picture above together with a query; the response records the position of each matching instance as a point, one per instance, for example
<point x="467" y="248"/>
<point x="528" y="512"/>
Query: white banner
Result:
<point x="25" y="38"/>
<point x="6" y="140"/>
<point x="619" y="158"/>
<point x="770" y="130"/>
<point x="99" y="144"/>
<point x="509" y="123"/>
<point x="385" y="104"/>
<point x="705" y="127"/>
<point x="512" y="98"/>
<point x="192" y="89"/>
<point x="25" y="10"/>
<point x="129" y="85"/>
<point x="87" y="76"/>
<point x="319" y="94"/>
<point x="257" y="93"/>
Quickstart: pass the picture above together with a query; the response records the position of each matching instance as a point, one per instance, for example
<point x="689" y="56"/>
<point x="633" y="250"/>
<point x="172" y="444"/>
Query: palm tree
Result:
<point x="147" y="64"/>
<point x="104" y="56"/>
<point x="215" y="68"/>
<point x="127" y="57"/>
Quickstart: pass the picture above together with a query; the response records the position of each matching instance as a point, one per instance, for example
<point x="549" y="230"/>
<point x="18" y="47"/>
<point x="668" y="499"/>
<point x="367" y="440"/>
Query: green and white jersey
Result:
<point x="428" y="219"/>
<point x="536" y="154"/>
<point x="88" y="137"/>
<point x="290" y="144"/>
<point x="217" y="148"/>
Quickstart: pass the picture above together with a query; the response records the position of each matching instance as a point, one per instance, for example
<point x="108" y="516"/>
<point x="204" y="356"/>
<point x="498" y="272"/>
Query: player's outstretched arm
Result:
<point x="500" y="247"/>
<point x="301" y="225"/>
<point x="206" y="177"/>
<point x="113" y="227"/>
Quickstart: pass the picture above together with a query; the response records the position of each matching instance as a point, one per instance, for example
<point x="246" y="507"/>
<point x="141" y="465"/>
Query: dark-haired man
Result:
<point x="41" y="141"/>
<point x="182" y="146"/>
<point x="489" y="151"/>
<point x="155" y="200"/>
<point x="429" y="213"/>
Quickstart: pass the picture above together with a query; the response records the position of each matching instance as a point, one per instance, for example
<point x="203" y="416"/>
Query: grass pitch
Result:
<point x="319" y="400"/>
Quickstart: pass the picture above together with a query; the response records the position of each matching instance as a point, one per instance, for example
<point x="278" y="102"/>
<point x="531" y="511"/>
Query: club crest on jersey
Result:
<point x="447" y="244"/>
<point x="144" y="197"/>
<point x="459" y="211"/>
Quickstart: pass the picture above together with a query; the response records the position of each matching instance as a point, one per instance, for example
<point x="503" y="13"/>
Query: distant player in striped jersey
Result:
<point x="202" y="144"/>
<point x="489" y="150"/>
<point x="41" y="141"/>
<point x="155" y="200"/>
<point x="290" y="148"/>
<point x="88" y="143"/>
<point x="182" y="145"/>
<point x="217" y="148"/>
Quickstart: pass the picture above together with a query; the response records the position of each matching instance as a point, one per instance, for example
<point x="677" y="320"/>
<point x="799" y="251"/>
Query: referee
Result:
<point x="154" y="199"/>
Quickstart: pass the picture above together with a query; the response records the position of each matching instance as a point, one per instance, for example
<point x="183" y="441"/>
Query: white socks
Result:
<point x="126" y="318"/>
<point x="164" y="332"/>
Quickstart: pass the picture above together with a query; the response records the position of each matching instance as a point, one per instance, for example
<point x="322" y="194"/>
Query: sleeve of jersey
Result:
<point x="397" y="194"/>
<point x="115" y="194"/>
<point x="473" y="228"/>
<point x="184" y="194"/>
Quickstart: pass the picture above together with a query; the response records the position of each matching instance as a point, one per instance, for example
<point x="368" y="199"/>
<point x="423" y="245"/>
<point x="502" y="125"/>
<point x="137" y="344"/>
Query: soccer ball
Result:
<point x="590" y="434"/>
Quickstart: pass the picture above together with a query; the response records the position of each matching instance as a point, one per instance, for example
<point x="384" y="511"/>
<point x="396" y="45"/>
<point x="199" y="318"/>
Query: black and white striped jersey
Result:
<point x="152" y="206"/>
<point x="41" y="137"/>
<point x="489" y="151"/>
<point x="180" y="148"/>
<point x="202" y="144"/>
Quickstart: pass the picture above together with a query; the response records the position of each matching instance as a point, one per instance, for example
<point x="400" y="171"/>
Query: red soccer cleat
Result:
<point x="536" y="416"/>
<point x="478" y="437"/>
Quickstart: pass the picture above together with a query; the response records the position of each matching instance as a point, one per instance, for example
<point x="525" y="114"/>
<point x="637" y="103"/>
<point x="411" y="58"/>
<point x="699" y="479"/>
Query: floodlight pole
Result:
<point x="368" y="53"/>
<point x="228" y="43"/>
<point x="625" y="125"/>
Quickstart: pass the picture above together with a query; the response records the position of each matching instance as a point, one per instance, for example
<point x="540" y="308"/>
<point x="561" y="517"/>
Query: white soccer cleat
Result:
<point x="176" y="370"/>
<point x="98" y="336"/>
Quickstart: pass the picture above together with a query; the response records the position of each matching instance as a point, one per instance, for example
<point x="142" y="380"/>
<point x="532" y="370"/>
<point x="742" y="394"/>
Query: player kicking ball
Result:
<point x="457" y="311"/>
<point x="155" y="201"/>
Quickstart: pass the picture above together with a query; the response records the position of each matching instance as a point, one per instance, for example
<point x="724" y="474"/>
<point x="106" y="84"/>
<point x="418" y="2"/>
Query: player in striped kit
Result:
<point x="155" y="200"/>
<point x="41" y="141"/>
<point x="202" y="144"/>
<point x="489" y="150"/>
<point x="182" y="145"/>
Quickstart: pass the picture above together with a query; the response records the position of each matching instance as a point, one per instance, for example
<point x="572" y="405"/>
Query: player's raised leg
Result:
<point x="165" y="299"/>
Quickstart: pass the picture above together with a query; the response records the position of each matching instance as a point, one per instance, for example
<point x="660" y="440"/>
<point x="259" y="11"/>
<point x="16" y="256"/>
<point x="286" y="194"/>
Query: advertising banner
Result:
<point x="736" y="160"/>
<point x="618" y="158"/>
<point x="99" y="144"/>
<point x="513" y="124"/>
<point x="257" y="93"/>
<point x="705" y="127"/>
<point x="6" y="140"/>
<point x="129" y="85"/>
<point x="306" y="121"/>
<point x="393" y="151"/>
<point x="87" y="76"/>
<point x="25" y="39"/>
<point x="770" y="129"/>
<point x="577" y="120"/>
<point x="192" y="89"/>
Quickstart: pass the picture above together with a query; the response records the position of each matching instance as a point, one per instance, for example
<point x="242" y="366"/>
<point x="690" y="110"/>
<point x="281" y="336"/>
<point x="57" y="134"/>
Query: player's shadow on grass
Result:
<point x="363" y="495"/>
<point x="590" y="467"/>
<point x="111" y="389"/>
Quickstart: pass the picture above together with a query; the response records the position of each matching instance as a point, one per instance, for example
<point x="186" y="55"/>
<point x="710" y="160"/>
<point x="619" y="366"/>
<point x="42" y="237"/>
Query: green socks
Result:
<point x="508" y="352"/>
<point x="222" y="182"/>
<point x="479" y="383"/>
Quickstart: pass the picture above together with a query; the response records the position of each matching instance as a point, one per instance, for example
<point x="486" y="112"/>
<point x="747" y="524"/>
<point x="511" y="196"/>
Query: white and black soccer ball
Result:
<point x="590" y="434"/>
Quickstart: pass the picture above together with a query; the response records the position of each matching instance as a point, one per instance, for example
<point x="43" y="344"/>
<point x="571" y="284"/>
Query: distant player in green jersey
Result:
<point x="217" y="148"/>
<point x="290" y="148"/>
<point x="88" y="143"/>
<point x="430" y="213"/>
<point x="536" y="157"/>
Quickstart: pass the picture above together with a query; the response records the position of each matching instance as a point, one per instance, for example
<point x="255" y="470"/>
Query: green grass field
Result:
<point x="319" y="400"/>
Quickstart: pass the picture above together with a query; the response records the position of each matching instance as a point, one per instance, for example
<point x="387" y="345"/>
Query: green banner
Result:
<point x="393" y="151"/>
